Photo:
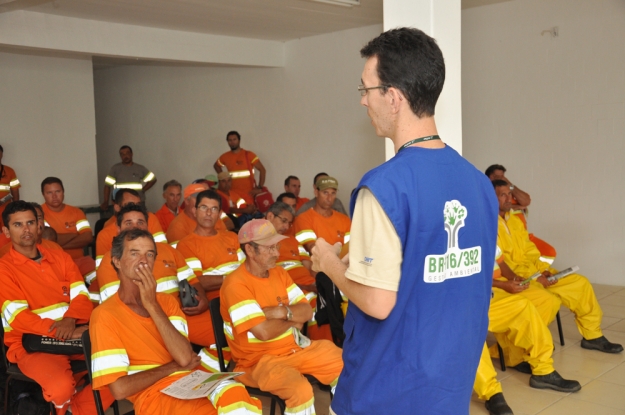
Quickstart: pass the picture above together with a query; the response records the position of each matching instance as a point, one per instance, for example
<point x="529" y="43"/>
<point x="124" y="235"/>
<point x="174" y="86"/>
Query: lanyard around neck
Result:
<point x="419" y="140"/>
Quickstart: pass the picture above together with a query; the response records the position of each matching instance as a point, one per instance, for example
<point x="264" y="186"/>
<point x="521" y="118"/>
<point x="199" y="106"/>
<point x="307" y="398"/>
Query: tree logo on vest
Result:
<point x="456" y="262"/>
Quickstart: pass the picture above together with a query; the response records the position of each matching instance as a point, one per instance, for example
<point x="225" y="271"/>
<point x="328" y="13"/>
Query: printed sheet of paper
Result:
<point x="198" y="384"/>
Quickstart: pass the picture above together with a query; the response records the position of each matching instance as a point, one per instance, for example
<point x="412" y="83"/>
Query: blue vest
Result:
<point x="423" y="358"/>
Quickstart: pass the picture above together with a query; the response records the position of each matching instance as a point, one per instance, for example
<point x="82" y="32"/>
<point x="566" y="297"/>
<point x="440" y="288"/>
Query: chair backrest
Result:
<point x="218" y="328"/>
<point x="86" y="347"/>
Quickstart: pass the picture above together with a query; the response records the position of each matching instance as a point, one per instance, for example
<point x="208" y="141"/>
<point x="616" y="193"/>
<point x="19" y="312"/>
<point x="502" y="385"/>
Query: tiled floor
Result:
<point x="602" y="375"/>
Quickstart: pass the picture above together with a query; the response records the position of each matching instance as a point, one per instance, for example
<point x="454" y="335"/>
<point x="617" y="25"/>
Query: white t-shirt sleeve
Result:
<point x="375" y="254"/>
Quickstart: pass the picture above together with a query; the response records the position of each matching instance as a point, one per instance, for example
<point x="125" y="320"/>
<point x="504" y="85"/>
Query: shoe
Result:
<point x="554" y="381"/>
<point x="602" y="344"/>
<point x="497" y="405"/>
<point x="523" y="367"/>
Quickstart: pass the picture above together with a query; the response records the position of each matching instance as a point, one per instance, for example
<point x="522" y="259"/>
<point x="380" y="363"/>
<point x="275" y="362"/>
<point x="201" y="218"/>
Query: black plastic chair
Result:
<point x="86" y="347"/>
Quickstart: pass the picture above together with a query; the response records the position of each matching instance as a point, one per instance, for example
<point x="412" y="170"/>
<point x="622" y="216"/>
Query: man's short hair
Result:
<point x="278" y="207"/>
<point x="120" y="241"/>
<point x="15" y="207"/>
<point x="38" y="206"/>
<point x="285" y="194"/>
<point x="208" y="194"/>
<point x="51" y="180"/>
<point x="318" y="175"/>
<point x="172" y="183"/>
<point x="233" y="133"/>
<point x="119" y="196"/>
<point x="131" y="207"/>
<point x="498" y="183"/>
<point x="493" y="168"/>
<point x="125" y="146"/>
<point x="1" y="149"/>
<point x="287" y="181"/>
<point x="411" y="61"/>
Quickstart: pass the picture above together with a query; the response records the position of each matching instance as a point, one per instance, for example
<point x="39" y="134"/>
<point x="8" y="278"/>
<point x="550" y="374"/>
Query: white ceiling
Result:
<point x="280" y="20"/>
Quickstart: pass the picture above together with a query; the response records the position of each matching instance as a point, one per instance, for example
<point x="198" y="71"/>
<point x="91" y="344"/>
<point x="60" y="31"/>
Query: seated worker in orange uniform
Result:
<point x="263" y="312"/>
<point x="574" y="291"/>
<point x="293" y="185"/>
<point x="69" y="222"/>
<point x="43" y="293"/>
<point x="336" y="205"/>
<point x="49" y="244"/>
<point x="239" y="209"/>
<point x="172" y="193"/>
<point x="289" y="199"/>
<point x="169" y="270"/>
<point x="211" y="254"/>
<point x="184" y="224"/>
<point x="520" y="203"/>
<point x="123" y="197"/>
<point x="296" y="261"/>
<point x="139" y="341"/>
<point x="9" y="186"/>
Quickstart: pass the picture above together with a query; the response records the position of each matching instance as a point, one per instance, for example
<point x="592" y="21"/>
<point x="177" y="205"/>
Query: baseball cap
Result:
<point x="194" y="188"/>
<point x="260" y="231"/>
<point x="327" y="182"/>
<point x="212" y="181"/>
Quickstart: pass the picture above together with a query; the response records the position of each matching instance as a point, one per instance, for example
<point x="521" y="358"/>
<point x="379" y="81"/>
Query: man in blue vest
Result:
<point x="423" y="239"/>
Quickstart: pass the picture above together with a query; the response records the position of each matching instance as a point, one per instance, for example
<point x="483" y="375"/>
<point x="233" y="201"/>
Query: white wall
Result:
<point x="552" y="111"/>
<point x="48" y="123"/>
<point x="300" y="119"/>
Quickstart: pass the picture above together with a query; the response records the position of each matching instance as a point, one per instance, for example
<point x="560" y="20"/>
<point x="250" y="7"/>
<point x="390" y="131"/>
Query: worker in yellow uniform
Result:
<point x="574" y="291"/>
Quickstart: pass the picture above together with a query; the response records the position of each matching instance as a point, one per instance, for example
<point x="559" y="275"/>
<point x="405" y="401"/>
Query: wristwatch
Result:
<point x="289" y="313"/>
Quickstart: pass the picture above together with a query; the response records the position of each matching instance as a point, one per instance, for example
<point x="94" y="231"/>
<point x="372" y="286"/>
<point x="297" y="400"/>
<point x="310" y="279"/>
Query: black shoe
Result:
<point x="554" y="381"/>
<point x="523" y="367"/>
<point x="497" y="405"/>
<point x="602" y="344"/>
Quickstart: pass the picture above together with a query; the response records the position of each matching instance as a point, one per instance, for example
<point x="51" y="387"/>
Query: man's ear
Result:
<point x="395" y="98"/>
<point x="5" y="230"/>
<point x="115" y="262"/>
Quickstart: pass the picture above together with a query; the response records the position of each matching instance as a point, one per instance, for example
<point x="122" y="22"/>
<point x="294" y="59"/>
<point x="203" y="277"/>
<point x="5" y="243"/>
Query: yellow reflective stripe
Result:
<point x="223" y="269"/>
<point x="305" y="236"/>
<point x="134" y="186"/>
<point x="194" y="263"/>
<point x="240" y="255"/>
<point x="496" y="266"/>
<point x="46" y="223"/>
<point x="252" y="339"/>
<point x="222" y="215"/>
<point x="295" y="294"/>
<point x="228" y="330"/>
<point x="167" y="285"/>
<point x="140" y="368"/>
<point x="302" y="251"/>
<point x="109" y="361"/>
<point x="110" y="180"/>
<point x="14" y="183"/>
<point x="346" y="238"/>
<point x="310" y="296"/>
<point x="307" y="408"/>
<point x="185" y="273"/>
<point x="245" y="311"/>
<point x="289" y="265"/>
<point x="180" y="324"/>
<point x="209" y="362"/>
<point x="548" y="259"/>
<point x="77" y="289"/>
<point x="89" y="277"/>
<point x="254" y="160"/>
<point x="174" y="244"/>
<point x="5" y="188"/>
<point x="98" y="260"/>
<point x="159" y="237"/>
<point x="54" y="312"/>
<point x="240" y="174"/>
<point x="240" y="203"/>
<point x="148" y="177"/>
<point x="82" y="224"/>
<point x="221" y="388"/>
<point x="95" y="297"/>
<point x="108" y="290"/>
<point x="10" y="309"/>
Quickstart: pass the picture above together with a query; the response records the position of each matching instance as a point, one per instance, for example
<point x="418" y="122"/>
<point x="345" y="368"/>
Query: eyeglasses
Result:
<point x="363" y="90"/>
<point x="284" y="220"/>
<point x="204" y="208"/>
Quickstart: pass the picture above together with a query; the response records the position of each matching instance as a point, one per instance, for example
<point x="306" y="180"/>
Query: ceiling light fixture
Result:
<point x="343" y="3"/>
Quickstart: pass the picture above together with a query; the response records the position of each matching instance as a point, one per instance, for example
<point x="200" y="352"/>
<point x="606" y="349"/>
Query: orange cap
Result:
<point x="194" y="188"/>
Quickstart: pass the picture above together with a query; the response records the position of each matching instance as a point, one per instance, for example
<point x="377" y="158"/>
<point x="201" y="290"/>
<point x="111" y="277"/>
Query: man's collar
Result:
<point x="20" y="259"/>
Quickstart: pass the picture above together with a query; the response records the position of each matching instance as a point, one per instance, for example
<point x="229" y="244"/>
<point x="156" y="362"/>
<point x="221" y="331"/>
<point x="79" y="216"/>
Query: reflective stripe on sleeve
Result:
<point x="89" y="277"/>
<point x="54" y="312"/>
<point x="82" y="224"/>
<point x="289" y="265"/>
<point x="302" y="251"/>
<point x="194" y="263"/>
<point x="14" y="183"/>
<point x="174" y="244"/>
<point x="180" y="324"/>
<point x="77" y="289"/>
<point x="5" y="187"/>
<point x="245" y="311"/>
<point x="223" y="269"/>
<point x="98" y="260"/>
<point x="346" y="238"/>
<point x="109" y="361"/>
<point x="167" y="285"/>
<point x="240" y="255"/>
<point x="133" y="185"/>
<point x="110" y="180"/>
<point x="295" y="294"/>
<point x="252" y="339"/>
<point x="10" y="309"/>
<point x="108" y="290"/>
<point x="305" y="236"/>
<point x="159" y="237"/>
<point x="185" y="273"/>
<point x="148" y="177"/>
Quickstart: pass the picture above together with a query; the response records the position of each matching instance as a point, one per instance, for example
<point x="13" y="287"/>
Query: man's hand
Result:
<point x="275" y="313"/>
<point x="514" y="287"/>
<point x="255" y="191"/>
<point x="321" y="251"/>
<point x="198" y="309"/>
<point x="147" y="285"/>
<point x="544" y="281"/>
<point x="64" y="328"/>
<point x="78" y="331"/>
